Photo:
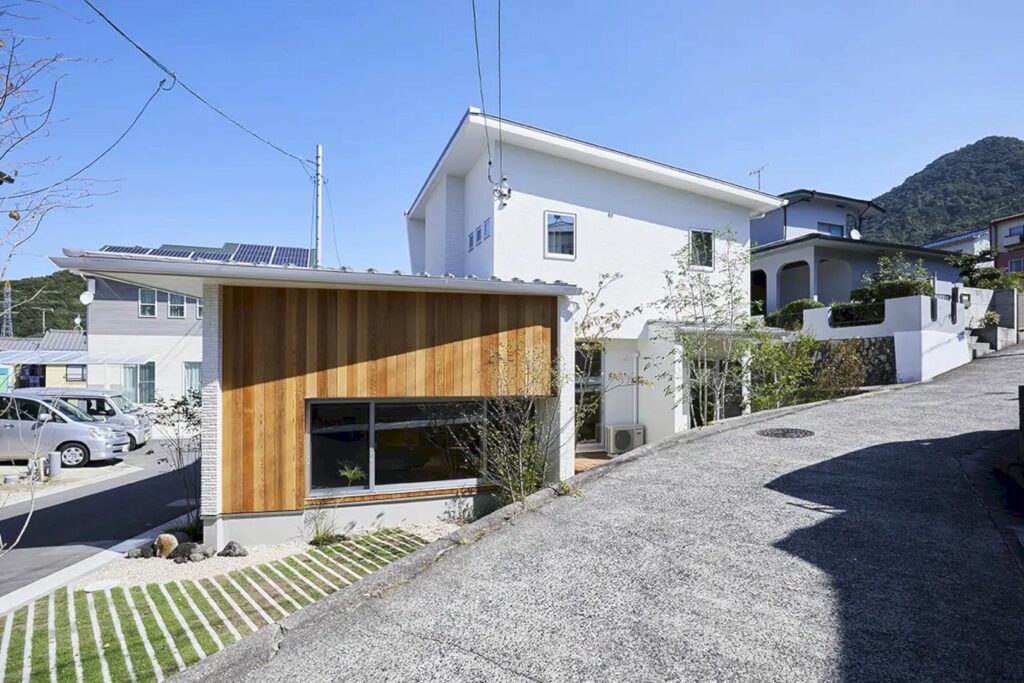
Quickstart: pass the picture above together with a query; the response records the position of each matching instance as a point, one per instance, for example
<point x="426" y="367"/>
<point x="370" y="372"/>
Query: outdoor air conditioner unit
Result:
<point x="621" y="438"/>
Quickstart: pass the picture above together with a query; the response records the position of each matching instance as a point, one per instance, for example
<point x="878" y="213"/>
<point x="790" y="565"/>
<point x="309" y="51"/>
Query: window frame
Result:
<point x="199" y="309"/>
<point x="701" y="266"/>
<point x="83" y="378"/>
<point x="575" y="237"/>
<point x="372" y="488"/>
<point x="155" y="303"/>
<point x="487" y="228"/>
<point x="171" y="306"/>
<point x="1019" y="262"/>
<point x="471" y="244"/>
<point x="826" y="228"/>
<point x="184" y="375"/>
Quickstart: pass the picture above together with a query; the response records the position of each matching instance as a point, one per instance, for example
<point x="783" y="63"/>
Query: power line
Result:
<point x="501" y="152"/>
<point x="160" y="87"/>
<point x="334" y="231"/>
<point x="480" y="82"/>
<point x="302" y="161"/>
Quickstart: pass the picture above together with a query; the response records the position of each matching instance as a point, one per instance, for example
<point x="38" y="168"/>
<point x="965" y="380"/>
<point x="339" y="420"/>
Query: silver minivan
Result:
<point x="111" y="406"/>
<point x="31" y="426"/>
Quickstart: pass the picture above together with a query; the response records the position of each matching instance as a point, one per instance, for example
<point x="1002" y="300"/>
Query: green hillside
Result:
<point x="58" y="291"/>
<point x="960" y="190"/>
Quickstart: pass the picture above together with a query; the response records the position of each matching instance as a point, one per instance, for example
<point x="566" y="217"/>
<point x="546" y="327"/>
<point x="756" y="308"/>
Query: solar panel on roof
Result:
<point x="291" y="256"/>
<point x="253" y="253"/>
<point x="126" y="250"/>
<point x="174" y="253"/>
<point x="212" y="255"/>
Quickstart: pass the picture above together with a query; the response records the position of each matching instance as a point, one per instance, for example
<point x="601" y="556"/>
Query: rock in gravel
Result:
<point x="181" y="559"/>
<point x="184" y="550"/>
<point x="134" y="553"/>
<point x="181" y="536"/>
<point x="233" y="549"/>
<point x="196" y="557"/>
<point x="208" y="551"/>
<point x="147" y="552"/>
<point x="165" y="544"/>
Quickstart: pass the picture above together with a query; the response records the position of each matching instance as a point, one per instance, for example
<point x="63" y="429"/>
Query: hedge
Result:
<point x="891" y="289"/>
<point x="846" y="314"/>
<point x="791" y="316"/>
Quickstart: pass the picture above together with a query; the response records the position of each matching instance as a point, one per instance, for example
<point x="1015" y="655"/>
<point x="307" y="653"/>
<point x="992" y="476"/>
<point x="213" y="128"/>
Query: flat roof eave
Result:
<point x="188" y="277"/>
<point x="840" y="242"/>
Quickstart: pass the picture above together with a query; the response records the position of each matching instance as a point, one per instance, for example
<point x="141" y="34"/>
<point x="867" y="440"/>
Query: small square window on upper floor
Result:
<point x="559" y="235"/>
<point x="147" y="303"/>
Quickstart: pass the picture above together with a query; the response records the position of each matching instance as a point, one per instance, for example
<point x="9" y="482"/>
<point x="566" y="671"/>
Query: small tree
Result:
<point x="779" y="369"/>
<point x="180" y="421"/>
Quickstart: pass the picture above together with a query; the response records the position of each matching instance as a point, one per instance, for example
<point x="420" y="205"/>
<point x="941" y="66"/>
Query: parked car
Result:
<point x="33" y="426"/>
<point x="112" y="406"/>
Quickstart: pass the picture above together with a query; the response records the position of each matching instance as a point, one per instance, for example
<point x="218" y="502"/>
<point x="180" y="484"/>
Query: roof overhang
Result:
<point x="72" y="358"/>
<point x="469" y="141"/>
<point x="845" y="243"/>
<point x="1011" y="217"/>
<point x="864" y="207"/>
<point x="188" y="277"/>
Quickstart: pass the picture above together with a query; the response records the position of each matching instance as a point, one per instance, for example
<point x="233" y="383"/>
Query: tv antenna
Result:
<point x="757" y="172"/>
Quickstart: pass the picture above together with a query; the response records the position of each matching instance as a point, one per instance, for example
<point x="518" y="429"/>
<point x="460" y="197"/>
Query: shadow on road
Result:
<point x="106" y="517"/>
<point x="925" y="587"/>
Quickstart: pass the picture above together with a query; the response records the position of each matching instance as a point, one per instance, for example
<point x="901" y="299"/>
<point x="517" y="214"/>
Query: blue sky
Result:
<point x="849" y="97"/>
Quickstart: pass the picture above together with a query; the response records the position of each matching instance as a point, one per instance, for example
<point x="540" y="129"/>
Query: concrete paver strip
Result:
<point x="861" y="552"/>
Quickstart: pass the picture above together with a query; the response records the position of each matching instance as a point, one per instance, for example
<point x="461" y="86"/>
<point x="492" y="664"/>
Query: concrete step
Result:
<point x="979" y="349"/>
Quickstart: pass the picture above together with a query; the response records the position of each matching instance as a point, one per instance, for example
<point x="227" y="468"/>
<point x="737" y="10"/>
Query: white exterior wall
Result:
<point x="169" y="353"/>
<point x="623" y="225"/>
<point x="479" y="207"/>
<point x="924" y="347"/>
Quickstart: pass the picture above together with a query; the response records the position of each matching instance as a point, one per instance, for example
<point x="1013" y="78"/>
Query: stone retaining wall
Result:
<point x="878" y="354"/>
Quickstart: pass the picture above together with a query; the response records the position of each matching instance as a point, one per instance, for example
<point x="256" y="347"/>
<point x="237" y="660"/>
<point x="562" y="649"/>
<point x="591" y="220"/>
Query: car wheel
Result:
<point x="74" y="455"/>
<point x="132" y="445"/>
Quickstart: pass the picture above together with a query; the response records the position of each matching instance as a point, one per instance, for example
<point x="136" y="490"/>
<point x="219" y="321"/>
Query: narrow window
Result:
<point x="147" y="382"/>
<point x="702" y="248"/>
<point x="199" y="309"/>
<point x="175" y="305"/>
<point x="487" y="228"/>
<point x="560" y="235"/>
<point x="74" y="373"/>
<point x="470" y="241"/>
<point x="479" y="235"/>
<point x="191" y="383"/>
<point x="147" y="303"/>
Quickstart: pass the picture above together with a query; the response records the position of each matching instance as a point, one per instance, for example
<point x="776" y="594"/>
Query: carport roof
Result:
<point x="846" y="243"/>
<point x="38" y="357"/>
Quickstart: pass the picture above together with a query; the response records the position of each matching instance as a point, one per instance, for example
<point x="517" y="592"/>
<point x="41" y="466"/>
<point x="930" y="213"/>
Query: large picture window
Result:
<point x="139" y="382"/>
<point x="559" y="235"/>
<point x="359" y="447"/>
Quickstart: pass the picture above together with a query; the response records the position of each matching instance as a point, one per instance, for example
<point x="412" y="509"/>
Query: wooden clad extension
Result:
<point x="282" y="346"/>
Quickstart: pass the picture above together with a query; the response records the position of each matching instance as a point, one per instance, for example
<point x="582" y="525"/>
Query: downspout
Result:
<point x="636" y="387"/>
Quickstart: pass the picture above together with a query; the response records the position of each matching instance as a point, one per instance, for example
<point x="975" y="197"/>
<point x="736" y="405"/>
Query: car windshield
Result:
<point x="70" y="411"/>
<point x="124" y="404"/>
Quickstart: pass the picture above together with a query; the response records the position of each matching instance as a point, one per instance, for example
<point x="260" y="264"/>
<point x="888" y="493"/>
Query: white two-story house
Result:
<point x="575" y="211"/>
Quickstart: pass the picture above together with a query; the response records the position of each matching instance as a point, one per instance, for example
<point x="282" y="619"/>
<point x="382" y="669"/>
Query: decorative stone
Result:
<point x="233" y="549"/>
<point x="184" y="550"/>
<point x="134" y="553"/>
<point x="147" y="552"/>
<point x="207" y="551"/>
<point x="165" y="544"/>
<point x="196" y="557"/>
<point x="181" y="559"/>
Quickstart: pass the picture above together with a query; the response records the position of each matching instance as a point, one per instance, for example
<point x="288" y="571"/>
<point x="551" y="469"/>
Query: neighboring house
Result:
<point x="146" y="342"/>
<point x="1008" y="241"/>
<point x="810" y="212"/>
<point x="822" y="230"/>
<point x="330" y="390"/>
<point x="970" y="242"/>
<point x="57" y="359"/>
<point x="578" y="210"/>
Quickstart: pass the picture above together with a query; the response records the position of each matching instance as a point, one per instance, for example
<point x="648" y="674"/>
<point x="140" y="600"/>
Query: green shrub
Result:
<point x="846" y="314"/>
<point x="838" y="370"/>
<point x="878" y="292"/>
<point x="994" y="278"/>
<point x="791" y="316"/>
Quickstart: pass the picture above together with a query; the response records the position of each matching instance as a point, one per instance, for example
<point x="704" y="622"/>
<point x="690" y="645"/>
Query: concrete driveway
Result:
<point x="860" y="553"/>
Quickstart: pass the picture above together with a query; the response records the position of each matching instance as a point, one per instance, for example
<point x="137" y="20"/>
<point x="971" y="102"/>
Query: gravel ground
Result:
<point x="139" y="572"/>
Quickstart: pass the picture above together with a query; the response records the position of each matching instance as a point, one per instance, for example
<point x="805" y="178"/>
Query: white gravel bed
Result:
<point x="431" y="531"/>
<point x="139" y="572"/>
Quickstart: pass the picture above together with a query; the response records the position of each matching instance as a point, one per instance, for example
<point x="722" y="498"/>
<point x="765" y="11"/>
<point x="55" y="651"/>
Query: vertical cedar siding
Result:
<point x="282" y="346"/>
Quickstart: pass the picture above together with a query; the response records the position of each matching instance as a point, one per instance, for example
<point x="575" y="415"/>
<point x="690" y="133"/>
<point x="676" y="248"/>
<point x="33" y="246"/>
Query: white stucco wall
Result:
<point x="623" y="225"/>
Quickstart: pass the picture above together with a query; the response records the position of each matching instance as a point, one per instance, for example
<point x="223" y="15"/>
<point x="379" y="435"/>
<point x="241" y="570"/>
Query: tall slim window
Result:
<point x="147" y="382"/>
<point x="191" y="380"/>
<point x="702" y="248"/>
<point x="560" y="235"/>
<point x="147" y="303"/>
<point x="199" y="309"/>
<point x="130" y="382"/>
<point x="175" y="305"/>
<point x="588" y="394"/>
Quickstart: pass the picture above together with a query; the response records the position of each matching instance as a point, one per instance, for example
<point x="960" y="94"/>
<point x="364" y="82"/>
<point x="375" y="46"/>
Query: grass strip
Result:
<point x="401" y="539"/>
<point x="195" y="624"/>
<point x="213" y="612"/>
<point x="185" y="649"/>
<point x="336" y="564"/>
<point x="40" y="662"/>
<point x="65" y="655"/>
<point x="112" y="650"/>
<point x="349" y="559"/>
<point x="90" y="656"/>
<point x="300" y="565"/>
<point x="161" y="648"/>
<point x="135" y="639"/>
<point x="382" y="549"/>
<point x="244" y="595"/>
<point x="16" y="650"/>
<point x="251" y="581"/>
<point x="291" y="583"/>
<point x="232" y="603"/>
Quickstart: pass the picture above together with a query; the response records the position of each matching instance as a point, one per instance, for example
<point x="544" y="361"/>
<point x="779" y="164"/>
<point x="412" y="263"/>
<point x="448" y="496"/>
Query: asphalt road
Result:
<point x="860" y="553"/>
<point x="70" y="526"/>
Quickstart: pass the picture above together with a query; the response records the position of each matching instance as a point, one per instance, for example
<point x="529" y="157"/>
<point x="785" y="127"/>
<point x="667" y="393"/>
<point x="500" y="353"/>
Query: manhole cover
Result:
<point x="786" y="433"/>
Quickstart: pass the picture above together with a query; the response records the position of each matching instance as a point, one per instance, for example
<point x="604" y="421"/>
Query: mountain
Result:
<point x="58" y="291"/>
<point x="958" y="191"/>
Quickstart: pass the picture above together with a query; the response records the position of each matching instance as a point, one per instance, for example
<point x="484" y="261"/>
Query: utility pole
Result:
<point x="43" y="311"/>
<point x="757" y="172"/>
<point x="319" y="205"/>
